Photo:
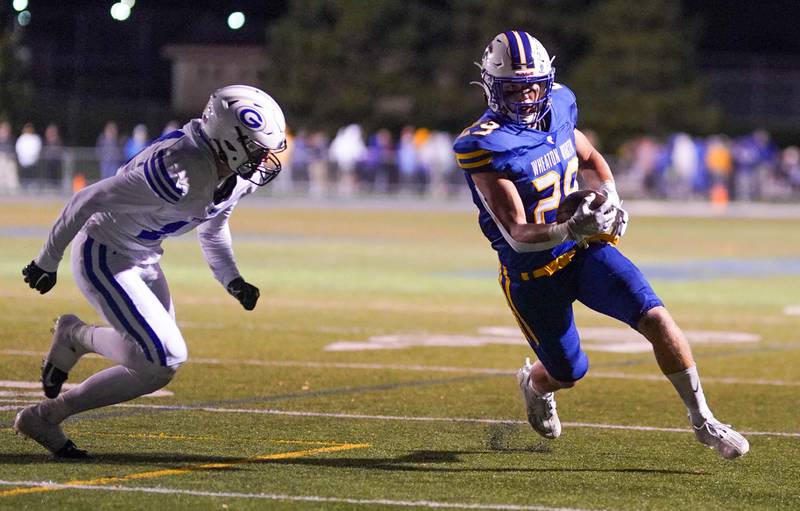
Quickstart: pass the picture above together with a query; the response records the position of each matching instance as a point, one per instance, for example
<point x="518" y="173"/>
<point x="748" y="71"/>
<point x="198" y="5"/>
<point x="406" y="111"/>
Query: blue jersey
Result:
<point x="543" y="166"/>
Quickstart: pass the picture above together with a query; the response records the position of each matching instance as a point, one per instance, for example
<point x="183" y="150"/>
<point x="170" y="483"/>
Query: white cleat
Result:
<point x="721" y="437"/>
<point x="63" y="355"/>
<point x="30" y="424"/>
<point x="541" y="408"/>
<point x="50" y="436"/>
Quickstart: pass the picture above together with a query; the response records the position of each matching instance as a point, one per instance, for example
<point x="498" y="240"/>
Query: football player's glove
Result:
<point x="609" y="189"/>
<point x="247" y="294"/>
<point x="620" y="224"/>
<point x="590" y="219"/>
<point x="39" y="279"/>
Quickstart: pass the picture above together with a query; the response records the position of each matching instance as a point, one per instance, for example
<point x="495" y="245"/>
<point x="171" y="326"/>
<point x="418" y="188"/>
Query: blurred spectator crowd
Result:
<point x="746" y="168"/>
<point x="419" y="161"/>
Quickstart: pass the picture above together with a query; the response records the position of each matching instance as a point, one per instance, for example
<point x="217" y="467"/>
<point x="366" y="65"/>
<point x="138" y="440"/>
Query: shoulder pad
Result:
<point x="164" y="177"/>
<point x="477" y="145"/>
<point x="564" y="103"/>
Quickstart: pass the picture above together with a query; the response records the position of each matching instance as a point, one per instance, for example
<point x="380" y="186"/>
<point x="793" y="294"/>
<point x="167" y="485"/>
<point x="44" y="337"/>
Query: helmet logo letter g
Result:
<point x="250" y="118"/>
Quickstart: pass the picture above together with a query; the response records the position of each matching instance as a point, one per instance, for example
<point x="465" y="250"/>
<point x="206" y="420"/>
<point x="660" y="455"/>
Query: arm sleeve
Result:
<point x="217" y="247"/>
<point x="123" y="193"/>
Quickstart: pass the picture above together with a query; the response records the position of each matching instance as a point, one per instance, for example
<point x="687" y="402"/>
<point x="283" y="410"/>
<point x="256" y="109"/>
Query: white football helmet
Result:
<point x="513" y="62"/>
<point x="246" y="128"/>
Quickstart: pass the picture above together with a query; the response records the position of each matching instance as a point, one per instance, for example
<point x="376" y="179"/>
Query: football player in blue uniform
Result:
<point x="521" y="158"/>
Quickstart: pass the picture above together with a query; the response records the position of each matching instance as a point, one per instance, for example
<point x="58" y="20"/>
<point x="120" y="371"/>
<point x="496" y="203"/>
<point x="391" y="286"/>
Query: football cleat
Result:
<point x="52" y="379"/>
<point x="721" y="437"/>
<point x="63" y="355"/>
<point x="541" y="408"/>
<point x="71" y="452"/>
<point x="32" y="425"/>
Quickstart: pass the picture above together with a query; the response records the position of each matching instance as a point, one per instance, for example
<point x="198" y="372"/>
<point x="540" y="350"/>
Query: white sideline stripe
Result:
<point x="792" y="310"/>
<point x="435" y="369"/>
<point x="263" y="411"/>
<point x="350" y="365"/>
<point x="705" y="379"/>
<point x="14" y="384"/>
<point x="268" y="411"/>
<point x="290" y="498"/>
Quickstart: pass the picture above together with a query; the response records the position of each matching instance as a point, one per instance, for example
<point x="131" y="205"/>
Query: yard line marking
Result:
<point x="705" y="379"/>
<point x="183" y="470"/>
<point x="10" y="408"/>
<point x="291" y="498"/>
<point x="438" y="369"/>
<point x="147" y="436"/>
<point x="351" y="365"/>
<point x="15" y="384"/>
<point x="268" y="411"/>
<point x="435" y="369"/>
<point x="792" y="310"/>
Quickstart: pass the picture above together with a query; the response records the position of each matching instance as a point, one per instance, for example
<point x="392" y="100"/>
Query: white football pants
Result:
<point x="133" y="298"/>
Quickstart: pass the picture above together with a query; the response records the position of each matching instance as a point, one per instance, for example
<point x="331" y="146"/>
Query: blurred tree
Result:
<point x="391" y="62"/>
<point x="14" y="91"/>
<point x="396" y="62"/>
<point x="637" y="73"/>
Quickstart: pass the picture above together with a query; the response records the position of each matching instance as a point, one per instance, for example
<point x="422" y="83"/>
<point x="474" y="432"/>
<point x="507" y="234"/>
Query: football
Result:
<point x="571" y="202"/>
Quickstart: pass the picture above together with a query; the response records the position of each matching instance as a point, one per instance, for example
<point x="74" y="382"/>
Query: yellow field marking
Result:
<point x="185" y="470"/>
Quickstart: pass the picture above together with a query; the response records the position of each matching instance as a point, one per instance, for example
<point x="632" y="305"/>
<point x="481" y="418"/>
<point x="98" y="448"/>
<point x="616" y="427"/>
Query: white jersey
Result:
<point x="166" y="190"/>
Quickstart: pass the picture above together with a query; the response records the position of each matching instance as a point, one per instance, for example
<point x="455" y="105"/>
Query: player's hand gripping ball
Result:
<point x="573" y="201"/>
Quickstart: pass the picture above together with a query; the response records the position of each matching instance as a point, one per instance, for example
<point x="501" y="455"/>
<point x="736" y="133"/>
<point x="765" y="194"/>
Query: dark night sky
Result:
<point x="768" y="26"/>
<point x="63" y="28"/>
<point x="728" y="24"/>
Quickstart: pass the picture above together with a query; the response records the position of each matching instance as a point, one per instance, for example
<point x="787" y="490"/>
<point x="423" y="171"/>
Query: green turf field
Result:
<point x="263" y="415"/>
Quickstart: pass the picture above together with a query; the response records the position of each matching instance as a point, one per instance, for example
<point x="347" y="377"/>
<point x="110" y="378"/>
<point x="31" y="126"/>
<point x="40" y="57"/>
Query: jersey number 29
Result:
<point x="552" y="180"/>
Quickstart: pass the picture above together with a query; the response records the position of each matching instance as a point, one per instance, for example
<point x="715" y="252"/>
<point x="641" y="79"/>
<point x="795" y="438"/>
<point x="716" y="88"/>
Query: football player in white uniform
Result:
<point x="190" y="178"/>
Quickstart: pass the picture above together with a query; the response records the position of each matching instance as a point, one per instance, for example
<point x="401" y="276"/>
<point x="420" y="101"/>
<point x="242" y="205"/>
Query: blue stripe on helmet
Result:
<point x="526" y="44"/>
<point x="512" y="45"/>
<point x="87" y="262"/>
<point x="162" y="357"/>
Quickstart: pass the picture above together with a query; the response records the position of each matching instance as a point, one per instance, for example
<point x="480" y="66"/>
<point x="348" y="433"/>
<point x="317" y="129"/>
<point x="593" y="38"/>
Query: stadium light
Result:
<point x="129" y="3"/>
<point x="120" y="11"/>
<point x="236" y="20"/>
<point x="20" y="5"/>
<point x="24" y="18"/>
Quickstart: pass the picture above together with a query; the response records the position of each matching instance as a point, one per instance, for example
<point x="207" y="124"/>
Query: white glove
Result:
<point x="587" y="222"/>
<point x="620" y="223"/>
<point x="609" y="189"/>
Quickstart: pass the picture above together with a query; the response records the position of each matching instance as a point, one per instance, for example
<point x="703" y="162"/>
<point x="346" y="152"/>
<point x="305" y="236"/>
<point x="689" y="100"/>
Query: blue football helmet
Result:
<point x="517" y="77"/>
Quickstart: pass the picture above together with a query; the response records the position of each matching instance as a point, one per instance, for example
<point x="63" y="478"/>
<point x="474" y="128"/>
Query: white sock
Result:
<point x="687" y="383"/>
<point x="110" y="386"/>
